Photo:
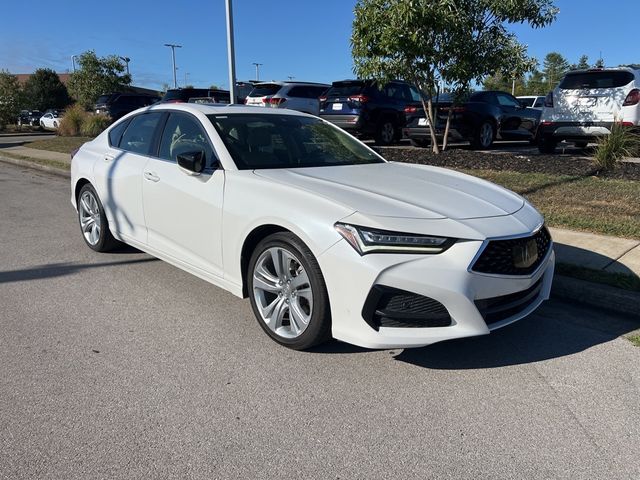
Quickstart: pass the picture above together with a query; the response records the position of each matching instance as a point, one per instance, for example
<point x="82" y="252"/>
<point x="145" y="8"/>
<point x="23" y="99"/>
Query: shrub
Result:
<point x="94" y="125"/>
<point x="72" y="121"/>
<point x="622" y="142"/>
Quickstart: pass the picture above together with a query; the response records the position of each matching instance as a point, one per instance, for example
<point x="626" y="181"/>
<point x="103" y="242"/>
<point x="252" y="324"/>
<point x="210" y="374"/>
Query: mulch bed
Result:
<point x="462" y="158"/>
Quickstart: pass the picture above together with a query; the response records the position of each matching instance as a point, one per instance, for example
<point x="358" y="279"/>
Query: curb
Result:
<point x="597" y="295"/>
<point x="36" y="166"/>
<point x="26" y="134"/>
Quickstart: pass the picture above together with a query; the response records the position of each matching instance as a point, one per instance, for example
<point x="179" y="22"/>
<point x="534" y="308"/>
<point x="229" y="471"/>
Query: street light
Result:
<point x="126" y="60"/>
<point x="230" y="53"/>
<point x="173" y="47"/>
<point x="257" y="69"/>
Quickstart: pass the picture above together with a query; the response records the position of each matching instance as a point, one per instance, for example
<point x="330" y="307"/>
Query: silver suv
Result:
<point x="585" y="105"/>
<point x="301" y="96"/>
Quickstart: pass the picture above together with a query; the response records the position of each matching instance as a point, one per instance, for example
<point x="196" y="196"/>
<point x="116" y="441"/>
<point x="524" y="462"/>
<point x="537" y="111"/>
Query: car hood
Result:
<point x="402" y="190"/>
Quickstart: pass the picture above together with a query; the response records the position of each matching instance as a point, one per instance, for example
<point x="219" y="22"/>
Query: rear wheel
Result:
<point x="287" y="292"/>
<point x="420" y="142"/>
<point x="93" y="221"/>
<point x="386" y="132"/>
<point x="547" y="144"/>
<point x="483" y="138"/>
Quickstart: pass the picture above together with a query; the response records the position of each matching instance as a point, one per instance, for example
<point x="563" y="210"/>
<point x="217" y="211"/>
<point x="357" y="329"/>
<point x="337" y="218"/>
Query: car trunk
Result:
<point x="592" y="96"/>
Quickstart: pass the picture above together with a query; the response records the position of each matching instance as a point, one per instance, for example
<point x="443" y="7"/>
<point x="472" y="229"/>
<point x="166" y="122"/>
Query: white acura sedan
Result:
<point x="325" y="237"/>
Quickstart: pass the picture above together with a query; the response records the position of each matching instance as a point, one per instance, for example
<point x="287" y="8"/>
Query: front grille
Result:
<point x="514" y="256"/>
<point x="497" y="309"/>
<point x="395" y="308"/>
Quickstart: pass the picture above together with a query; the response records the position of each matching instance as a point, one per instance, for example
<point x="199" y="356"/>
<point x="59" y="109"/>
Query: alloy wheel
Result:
<point x="282" y="292"/>
<point x="387" y="132"/>
<point x="89" y="213"/>
<point x="486" y="135"/>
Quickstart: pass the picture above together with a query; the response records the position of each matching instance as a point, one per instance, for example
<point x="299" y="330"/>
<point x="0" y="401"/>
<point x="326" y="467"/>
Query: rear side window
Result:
<point x="116" y="133"/>
<point x="599" y="79"/>
<point x="265" y="89"/>
<point x="139" y="133"/>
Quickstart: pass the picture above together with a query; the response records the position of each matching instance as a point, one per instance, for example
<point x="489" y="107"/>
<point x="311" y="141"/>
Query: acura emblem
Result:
<point x="525" y="255"/>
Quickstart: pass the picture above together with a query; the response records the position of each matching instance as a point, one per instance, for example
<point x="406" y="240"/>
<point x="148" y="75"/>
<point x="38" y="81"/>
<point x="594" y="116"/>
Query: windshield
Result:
<point x="257" y="141"/>
<point x="265" y="89"/>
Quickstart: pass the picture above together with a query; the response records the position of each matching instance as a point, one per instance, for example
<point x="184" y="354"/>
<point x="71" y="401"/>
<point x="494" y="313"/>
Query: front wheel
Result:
<point x="287" y="292"/>
<point x="93" y="221"/>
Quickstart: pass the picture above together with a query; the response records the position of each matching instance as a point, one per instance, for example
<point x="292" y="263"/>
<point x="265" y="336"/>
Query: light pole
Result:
<point x="126" y="60"/>
<point x="257" y="69"/>
<point x="173" y="47"/>
<point x="231" y="53"/>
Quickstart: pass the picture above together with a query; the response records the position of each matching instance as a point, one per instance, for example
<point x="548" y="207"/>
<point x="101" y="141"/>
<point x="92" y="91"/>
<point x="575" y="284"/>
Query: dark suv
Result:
<point x="363" y="108"/>
<point x="196" y="95"/>
<point x="116" y="105"/>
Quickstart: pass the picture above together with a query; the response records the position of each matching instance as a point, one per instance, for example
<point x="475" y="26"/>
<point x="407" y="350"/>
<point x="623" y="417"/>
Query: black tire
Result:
<point x="420" y="142"/>
<point x="582" y="145"/>
<point x="547" y="144"/>
<point x="318" y="329"/>
<point x="105" y="241"/>
<point x="55" y="124"/>
<point x="386" y="132"/>
<point x="484" y="136"/>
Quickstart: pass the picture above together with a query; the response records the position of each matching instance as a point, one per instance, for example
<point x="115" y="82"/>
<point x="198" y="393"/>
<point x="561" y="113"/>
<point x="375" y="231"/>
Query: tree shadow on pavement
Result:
<point x="60" y="269"/>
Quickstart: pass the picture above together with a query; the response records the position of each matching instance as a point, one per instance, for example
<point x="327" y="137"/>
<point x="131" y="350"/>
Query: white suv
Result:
<point x="586" y="103"/>
<point x="301" y="96"/>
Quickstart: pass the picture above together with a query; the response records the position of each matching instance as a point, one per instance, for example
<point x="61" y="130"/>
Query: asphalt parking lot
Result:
<point x="122" y="366"/>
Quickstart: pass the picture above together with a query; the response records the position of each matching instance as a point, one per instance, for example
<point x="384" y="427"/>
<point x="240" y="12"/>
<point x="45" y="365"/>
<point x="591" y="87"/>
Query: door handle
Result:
<point x="151" y="176"/>
<point x="108" y="157"/>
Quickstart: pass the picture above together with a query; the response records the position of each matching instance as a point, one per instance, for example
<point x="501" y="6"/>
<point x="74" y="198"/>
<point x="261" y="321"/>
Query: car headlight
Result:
<point x="369" y="240"/>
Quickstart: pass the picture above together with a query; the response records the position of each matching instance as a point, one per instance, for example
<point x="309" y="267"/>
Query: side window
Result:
<point x="507" y="101"/>
<point x="115" y="134"/>
<point x="182" y="134"/>
<point x="139" y="134"/>
<point x="415" y="95"/>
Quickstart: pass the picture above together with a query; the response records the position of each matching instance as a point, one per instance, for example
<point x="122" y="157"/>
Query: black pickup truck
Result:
<point x="481" y="119"/>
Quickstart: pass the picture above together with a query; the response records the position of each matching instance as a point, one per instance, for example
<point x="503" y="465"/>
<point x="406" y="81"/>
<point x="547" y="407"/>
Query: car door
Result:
<point x="183" y="210"/>
<point x="118" y="175"/>
<point x="517" y="122"/>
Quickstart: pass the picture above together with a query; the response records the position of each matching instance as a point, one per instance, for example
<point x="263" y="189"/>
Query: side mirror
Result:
<point x="192" y="161"/>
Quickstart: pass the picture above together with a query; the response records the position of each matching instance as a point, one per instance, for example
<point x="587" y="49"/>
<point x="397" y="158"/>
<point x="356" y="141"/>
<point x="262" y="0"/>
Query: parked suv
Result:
<point x="301" y="96"/>
<point x="184" y="95"/>
<point x="586" y="103"/>
<point x="482" y="118"/>
<point x="116" y="105"/>
<point x="29" y="117"/>
<point x="364" y="109"/>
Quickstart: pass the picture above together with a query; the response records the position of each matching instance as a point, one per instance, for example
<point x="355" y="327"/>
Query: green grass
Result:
<point x="618" y="280"/>
<point x="593" y="204"/>
<point x="635" y="339"/>
<point x="39" y="161"/>
<point x="59" y="144"/>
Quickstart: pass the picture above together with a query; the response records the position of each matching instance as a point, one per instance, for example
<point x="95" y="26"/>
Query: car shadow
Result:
<point x="557" y="329"/>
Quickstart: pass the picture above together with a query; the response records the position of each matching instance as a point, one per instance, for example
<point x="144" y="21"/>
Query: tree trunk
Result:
<point x="428" y="109"/>
<point x="446" y="130"/>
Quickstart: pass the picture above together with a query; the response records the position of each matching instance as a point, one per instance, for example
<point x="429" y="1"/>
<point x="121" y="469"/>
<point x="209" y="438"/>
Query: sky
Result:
<point x="305" y="39"/>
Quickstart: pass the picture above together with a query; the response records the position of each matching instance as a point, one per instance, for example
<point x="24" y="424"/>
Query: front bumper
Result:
<point x="445" y="277"/>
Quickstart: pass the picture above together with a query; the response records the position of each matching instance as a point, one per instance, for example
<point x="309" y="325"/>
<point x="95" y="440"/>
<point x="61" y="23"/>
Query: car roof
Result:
<point x="209" y="109"/>
<point x="280" y="82"/>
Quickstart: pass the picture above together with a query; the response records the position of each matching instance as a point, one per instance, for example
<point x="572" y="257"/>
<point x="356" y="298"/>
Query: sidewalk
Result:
<point x="598" y="253"/>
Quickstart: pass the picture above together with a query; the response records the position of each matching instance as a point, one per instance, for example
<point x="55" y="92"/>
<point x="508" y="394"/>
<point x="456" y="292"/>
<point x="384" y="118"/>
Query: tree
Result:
<point x="44" y="90"/>
<point x="96" y="76"/>
<point x="583" y="63"/>
<point x="429" y="41"/>
<point x="536" y="84"/>
<point x="10" y="98"/>
<point x="599" y="63"/>
<point x="554" y="68"/>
